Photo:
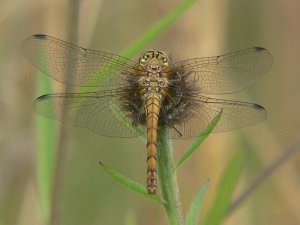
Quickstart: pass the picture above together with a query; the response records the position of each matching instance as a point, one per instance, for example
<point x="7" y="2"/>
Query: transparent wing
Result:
<point x="227" y="73"/>
<point x="57" y="58"/>
<point x="203" y="110"/>
<point x="97" y="111"/>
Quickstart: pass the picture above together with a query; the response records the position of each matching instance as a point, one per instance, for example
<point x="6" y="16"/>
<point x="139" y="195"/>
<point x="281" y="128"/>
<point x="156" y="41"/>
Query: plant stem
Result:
<point x="62" y="153"/>
<point x="168" y="179"/>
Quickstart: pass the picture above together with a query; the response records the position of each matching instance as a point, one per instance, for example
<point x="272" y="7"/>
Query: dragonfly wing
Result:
<point x="89" y="68"/>
<point x="227" y="73"/>
<point x="203" y="109"/>
<point x="97" y="111"/>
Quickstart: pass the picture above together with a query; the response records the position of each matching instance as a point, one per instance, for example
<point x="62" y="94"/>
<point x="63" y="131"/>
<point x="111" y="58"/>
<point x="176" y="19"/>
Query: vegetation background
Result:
<point x="91" y="197"/>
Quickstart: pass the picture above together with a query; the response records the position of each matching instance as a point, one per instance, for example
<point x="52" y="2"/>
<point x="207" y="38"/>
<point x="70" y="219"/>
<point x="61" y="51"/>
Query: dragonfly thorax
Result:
<point x="153" y="83"/>
<point x="154" y="64"/>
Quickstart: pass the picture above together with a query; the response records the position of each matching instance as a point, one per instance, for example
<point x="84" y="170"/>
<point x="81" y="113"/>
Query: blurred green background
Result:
<point x="208" y="28"/>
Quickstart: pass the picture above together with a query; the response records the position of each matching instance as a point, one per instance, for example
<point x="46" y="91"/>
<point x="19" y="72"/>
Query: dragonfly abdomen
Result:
<point x="152" y="108"/>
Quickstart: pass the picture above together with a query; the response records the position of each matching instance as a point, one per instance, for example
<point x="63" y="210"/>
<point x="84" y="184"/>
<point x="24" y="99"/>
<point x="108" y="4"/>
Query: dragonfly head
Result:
<point x="154" y="57"/>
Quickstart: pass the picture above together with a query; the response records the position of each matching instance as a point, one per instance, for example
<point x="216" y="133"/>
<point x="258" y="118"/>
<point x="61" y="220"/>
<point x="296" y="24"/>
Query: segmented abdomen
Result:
<point x="152" y="107"/>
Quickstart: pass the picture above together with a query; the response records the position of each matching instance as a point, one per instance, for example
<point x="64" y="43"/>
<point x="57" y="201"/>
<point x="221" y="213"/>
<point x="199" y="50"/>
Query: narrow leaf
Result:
<point x="132" y="185"/>
<point x="194" y="212"/>
<point x="155" y="30"/>
<point x="199" y="140"/>
<point x="224" y="192"/>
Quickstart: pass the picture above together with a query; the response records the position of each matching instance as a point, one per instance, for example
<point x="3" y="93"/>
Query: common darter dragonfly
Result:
<point x="134" y="98"/>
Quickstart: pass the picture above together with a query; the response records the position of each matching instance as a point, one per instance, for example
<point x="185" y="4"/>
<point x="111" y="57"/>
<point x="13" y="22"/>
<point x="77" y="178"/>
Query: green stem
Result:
<point x="168" y="179"/>
<point x="62" y="144"/>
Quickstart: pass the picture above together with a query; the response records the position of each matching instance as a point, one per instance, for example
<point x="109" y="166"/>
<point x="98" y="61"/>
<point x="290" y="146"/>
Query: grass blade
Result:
<point x="132" y="185"/>
<point x="156" y="29"/>
<point x="224" y="192"/>
<point x="193" y="214"/>
<point x="199" y="140"/>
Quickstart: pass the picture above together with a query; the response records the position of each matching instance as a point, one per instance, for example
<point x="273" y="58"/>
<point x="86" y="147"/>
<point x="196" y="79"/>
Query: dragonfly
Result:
<point x="132" y="98"/>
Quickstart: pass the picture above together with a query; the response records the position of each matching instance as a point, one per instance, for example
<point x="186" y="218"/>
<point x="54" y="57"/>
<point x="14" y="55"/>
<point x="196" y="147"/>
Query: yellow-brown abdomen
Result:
<point x="152" y="107"/>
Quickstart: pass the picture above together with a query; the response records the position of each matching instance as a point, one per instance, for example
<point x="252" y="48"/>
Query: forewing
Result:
<point x="202" y="110"/>
<point x="227" y="73"/>
<point x="97" y="111"/>
<point x="57" y="58"/>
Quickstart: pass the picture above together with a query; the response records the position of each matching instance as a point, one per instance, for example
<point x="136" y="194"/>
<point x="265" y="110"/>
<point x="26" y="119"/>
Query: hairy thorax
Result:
<point x="157" y="77"/>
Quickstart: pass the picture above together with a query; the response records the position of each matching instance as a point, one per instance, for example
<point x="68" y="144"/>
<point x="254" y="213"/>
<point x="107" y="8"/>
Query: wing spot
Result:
<point x="259" y="49"/>
<point x="40" y="36"/>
